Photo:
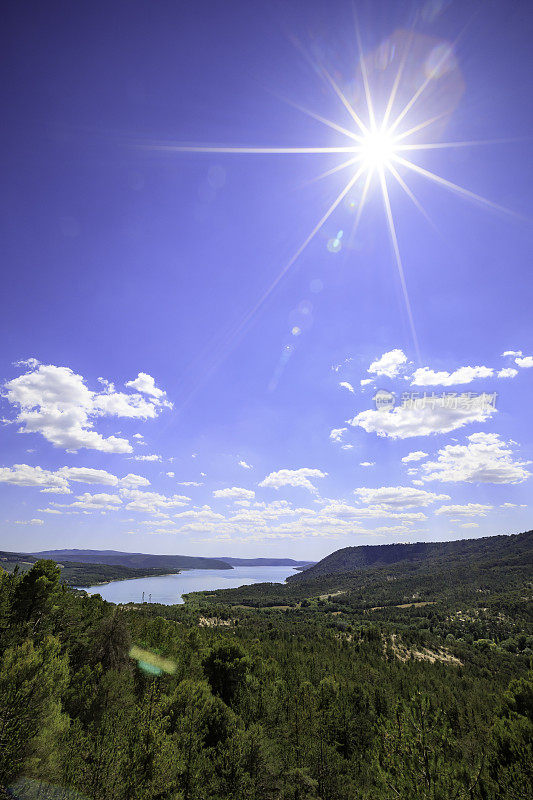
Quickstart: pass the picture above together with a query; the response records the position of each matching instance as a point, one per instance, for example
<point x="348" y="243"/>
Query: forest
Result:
<point x="407" y="680"/>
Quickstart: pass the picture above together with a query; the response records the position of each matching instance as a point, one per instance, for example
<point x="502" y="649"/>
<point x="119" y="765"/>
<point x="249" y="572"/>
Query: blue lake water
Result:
<point x="168" y="589"/>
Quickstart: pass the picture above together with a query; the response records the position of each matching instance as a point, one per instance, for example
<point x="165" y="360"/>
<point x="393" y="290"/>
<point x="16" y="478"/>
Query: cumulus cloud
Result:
<point x="152" y="502"/>
<point x="97" y="502"/>
<point x="525" y="362"/>
<point x="244" y="465"/>
<point x="508" y="372"/>
<point x="408" y="420"/>
<point x="346" y="385"/>
<point x="337" y="433"/>
<point x="512" y="353"/>
<point x="428" y="377"/>
<point x="389" y="364"/>
<point x="56" y="403"/>
<point x="468" y="510"/>
<point x="145" y="384"/>
<point x="341" y="510"/>
<point x="57" y="482"/>
<point x="367" y="463"/>
<point x="132" y="481"/>
<point x="396" y="497"/>
<point x="151" y="457"/>
<point x="234" y="493"/>
<point x="485" y="459"/>
<point x="416" y="455"/>
<point x="366" y="381"/>
<point x="293" y="477"/>
<point x="203" y="513"/>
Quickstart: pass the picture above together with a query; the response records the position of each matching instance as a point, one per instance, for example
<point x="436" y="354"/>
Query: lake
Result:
<point x="169" y="589"/>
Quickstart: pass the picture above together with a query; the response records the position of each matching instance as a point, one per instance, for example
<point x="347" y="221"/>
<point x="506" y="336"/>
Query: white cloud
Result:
<point x="389" y="364"/>
<point x="469" y="525"/>
<point x="416" y="455"/>
<point x="132" y="481"/>
<point x="88" y="475"/>
<point x="367" y="463"/>
<point x="234" y="493"/>
<point x="189" y="483"/>
<point x="203" y="513"/>
<point x="97" y="502"/>
<point x="152" y="502"/>
<point x="512" y="353"/>
<point x="24" y="475"/>
<point x="152" y="457"/>
<point x="337" y="433"/>
<point x="293" y="477"/>
<point x="366" y="381"/>
<point x="428" y="377"/>
<point x="55" y="402"/>
<point x="408" y="420"/>
<point x="526" y="362"/>
<point x="396" y="497"/>
<point x="485" y="459"/>
<point x="468" y="510"/>
<point x="58" y="482"/>
<point x="244" y="465"/>
<point x="507" y="372"/>
<point x="138" y="436"/>
<point x="170" y="474"/>
<point x="346" y="385"/>
<point x="29" y="522"/>
<point x="145" y="383"/>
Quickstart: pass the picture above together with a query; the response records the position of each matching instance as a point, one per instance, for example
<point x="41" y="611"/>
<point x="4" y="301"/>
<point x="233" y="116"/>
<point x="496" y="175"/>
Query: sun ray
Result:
<point x="454" y="187"/>
<point x="466" y="143"/>
<point x="185" y="148"/>
<point x="364" y="74"/>
<point x="394" y="172"/>
<point x="399" y="264"/>
<point x="324" y="120"/>
<point x="420" y="126"/>
<point x="332" y="171"/>
<point x="362" y="127"/>
<point x="362" y="202"/>
<point x="268" y="291"/>
<point x="397" y="79"/>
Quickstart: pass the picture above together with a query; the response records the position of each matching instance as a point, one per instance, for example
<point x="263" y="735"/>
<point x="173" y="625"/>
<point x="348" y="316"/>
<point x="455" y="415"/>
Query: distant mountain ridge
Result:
<point x="351" y="560"/>
<point x="139" y="560"/>
<point x="171" y="562"/>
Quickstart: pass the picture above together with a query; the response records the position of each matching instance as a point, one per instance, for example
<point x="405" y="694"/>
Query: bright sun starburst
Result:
<point x="379" y="147"/>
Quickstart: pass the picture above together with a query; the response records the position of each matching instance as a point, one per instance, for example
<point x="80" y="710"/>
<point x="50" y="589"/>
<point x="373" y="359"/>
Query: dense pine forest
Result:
<point x="409" y="679"/>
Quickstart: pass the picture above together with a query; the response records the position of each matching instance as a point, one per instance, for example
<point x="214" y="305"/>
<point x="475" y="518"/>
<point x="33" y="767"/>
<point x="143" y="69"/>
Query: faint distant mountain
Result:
<point x="144" y="560"/>
<point x="265" y="562"/>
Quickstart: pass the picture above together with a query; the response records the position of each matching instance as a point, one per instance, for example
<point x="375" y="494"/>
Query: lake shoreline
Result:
<point x="171" y="588"/>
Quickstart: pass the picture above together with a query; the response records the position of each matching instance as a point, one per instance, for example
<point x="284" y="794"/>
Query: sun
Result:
<point x="378" y="149"/>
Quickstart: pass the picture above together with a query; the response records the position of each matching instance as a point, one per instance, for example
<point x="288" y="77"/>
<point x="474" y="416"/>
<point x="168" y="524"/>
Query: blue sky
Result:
<point x="173" y="379"/>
